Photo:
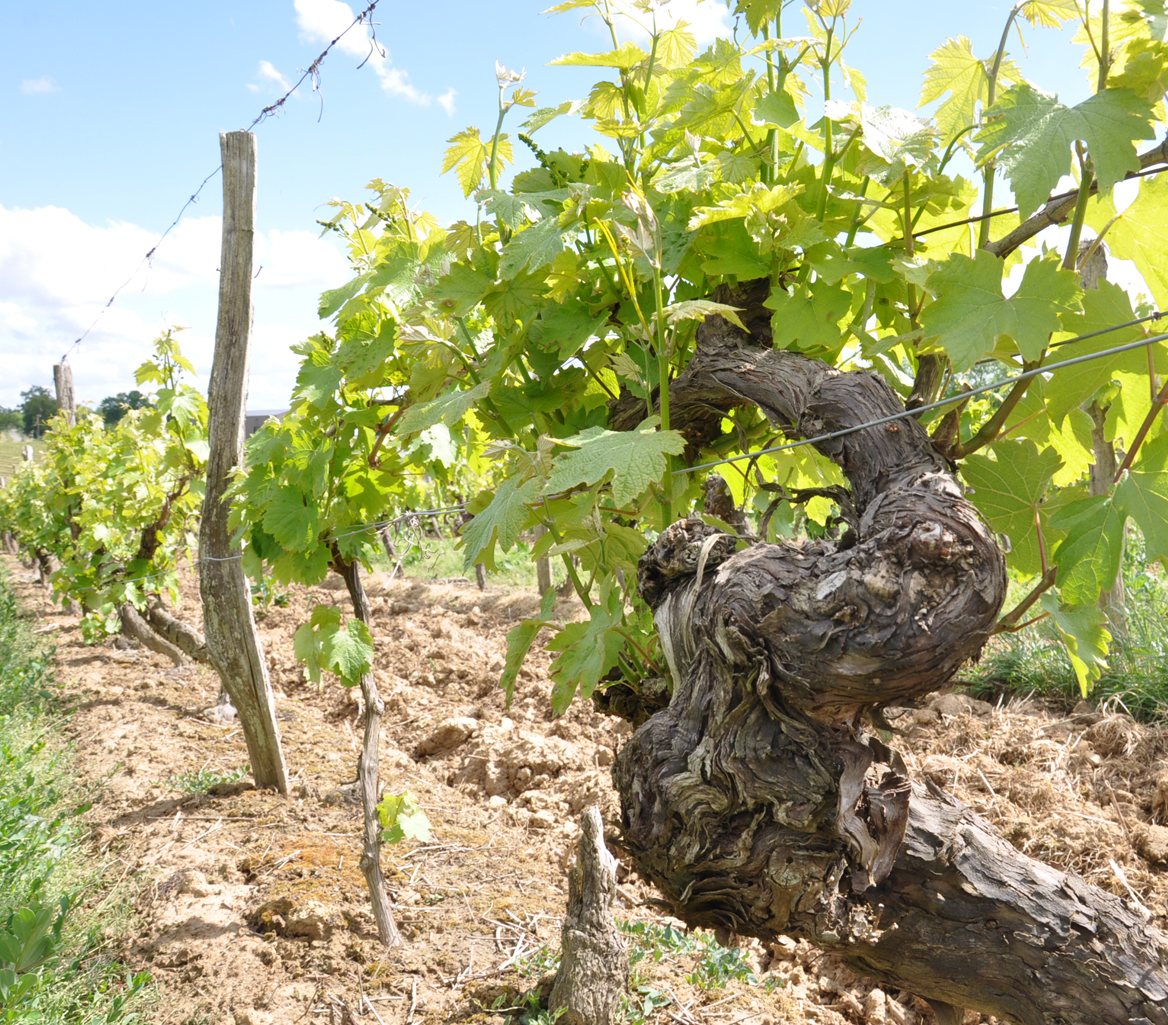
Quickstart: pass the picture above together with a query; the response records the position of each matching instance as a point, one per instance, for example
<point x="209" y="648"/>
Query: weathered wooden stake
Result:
<point x="594" y="965"/>
<point x="227" y="611"/>
<point x="543" y="565"/>
<point x="66" y="400"/>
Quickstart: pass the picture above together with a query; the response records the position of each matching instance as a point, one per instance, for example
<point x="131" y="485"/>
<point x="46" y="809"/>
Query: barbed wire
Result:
<point x="313" y="72"/>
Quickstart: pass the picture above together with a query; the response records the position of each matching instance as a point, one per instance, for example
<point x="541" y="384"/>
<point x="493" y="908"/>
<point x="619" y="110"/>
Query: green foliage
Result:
<point x="204" y="780"/>
<point x="1134" y="671"/>
<point x="51" y="964"/>
<point x="480" y="363"/>
<point x="113" y="407"/>
<point x="323" y="643"/>
<point x="37" y="408"/>
<point x="402" y="818"/>
<point x="1031" y="135"/>
<point x="116" y="505"/>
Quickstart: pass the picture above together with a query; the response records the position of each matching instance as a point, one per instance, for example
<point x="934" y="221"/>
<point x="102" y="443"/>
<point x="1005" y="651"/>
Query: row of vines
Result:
<point x="552" y="363"/>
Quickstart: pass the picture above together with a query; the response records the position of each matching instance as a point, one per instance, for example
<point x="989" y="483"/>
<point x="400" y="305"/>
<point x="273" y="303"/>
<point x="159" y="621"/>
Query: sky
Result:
<point x="110" y="116"/>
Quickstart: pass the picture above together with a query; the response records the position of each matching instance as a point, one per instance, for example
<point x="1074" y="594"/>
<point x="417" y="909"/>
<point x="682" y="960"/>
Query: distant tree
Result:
<point x="37" y="409"/>
<point x="11" y="419"/>
<point x="113" y="407"/>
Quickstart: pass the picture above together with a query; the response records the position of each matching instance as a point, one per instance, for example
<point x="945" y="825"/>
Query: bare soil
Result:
<point x="250" y="908"/>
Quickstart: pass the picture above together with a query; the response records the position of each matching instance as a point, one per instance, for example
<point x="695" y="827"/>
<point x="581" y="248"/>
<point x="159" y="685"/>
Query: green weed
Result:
<point x="203" y="780"/>
<point x="53" y="964"/>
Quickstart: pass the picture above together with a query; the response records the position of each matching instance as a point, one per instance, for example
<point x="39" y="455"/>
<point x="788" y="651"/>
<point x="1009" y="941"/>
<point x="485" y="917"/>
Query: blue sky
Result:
<point x="110" y="119"/>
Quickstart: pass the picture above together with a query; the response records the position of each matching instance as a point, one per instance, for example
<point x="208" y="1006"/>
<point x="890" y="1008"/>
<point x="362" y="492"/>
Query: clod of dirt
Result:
<point x="508" y="762"/>
<point x="307" y="919"/>
<point x="960" y="704"/>
<point x="1151" y="843"/>
<point x="1160" y="802"/>
<point x="190" y="882"/>
<point x="446" y="736"/>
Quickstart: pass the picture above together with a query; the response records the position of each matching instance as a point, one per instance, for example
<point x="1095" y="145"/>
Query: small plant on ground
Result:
<point x="204" y="780"/>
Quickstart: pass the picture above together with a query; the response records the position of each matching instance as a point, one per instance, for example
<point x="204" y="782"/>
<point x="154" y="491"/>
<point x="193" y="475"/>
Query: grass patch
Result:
<point x="10" y="457"/>
<point x="437" y="558"/>
<point x="1034" y="660"/>
<point x="54" y="962"/>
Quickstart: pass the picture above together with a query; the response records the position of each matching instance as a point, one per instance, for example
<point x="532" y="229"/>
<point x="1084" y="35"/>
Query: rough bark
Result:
<point x="228" y="616"/>
<point x="368" y="770"/>
<point x="594" y="967"/>
<point x="718" y="501"/>
<point x="757" y="802"/>
<point x="66" y="399"/>
<point x="134" y="626"/>
<point x="182" y="635"/>
<point x="543" y="565"/>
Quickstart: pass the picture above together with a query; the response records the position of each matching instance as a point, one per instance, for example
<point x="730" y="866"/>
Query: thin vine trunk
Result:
<point x="758" y="803"/>
<point x="368" y="770"/>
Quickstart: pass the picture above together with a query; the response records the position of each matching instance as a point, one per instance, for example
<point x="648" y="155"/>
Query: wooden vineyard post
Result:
<point x="227" y="610"/>
<point x="63" y="381"/>
<point x="543" y="565"/>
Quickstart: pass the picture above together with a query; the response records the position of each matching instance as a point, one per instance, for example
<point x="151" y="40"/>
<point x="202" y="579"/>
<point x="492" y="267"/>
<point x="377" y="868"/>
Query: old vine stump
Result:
<point x="594" y="968"/>
<point x="758" y="802"/>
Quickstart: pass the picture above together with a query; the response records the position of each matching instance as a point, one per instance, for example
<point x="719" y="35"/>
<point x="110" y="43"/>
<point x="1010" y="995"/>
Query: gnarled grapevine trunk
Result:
<point x="756" y="801"/>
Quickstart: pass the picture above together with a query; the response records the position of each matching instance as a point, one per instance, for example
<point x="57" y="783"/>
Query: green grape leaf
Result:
<point x="534" y="247"/>
<point x="292" y="519"/>
<point x="1049" y="13"/>
<point x="777" y="108"/>
<point x="469" y="155"/>
<point x="1088" y="557"/>
<point x="896" y="136"/>
<point x="1140" y="233"/>
<point x="402" y="818"/>
<point x="970" y="312"/>
<point x="1030" y="134"/>
<point x="319" y="378"/>
<point x="1009" y="491"/>
<point x="347" y="651"/>
<point x="1085" y="636"/>
<point x="520" y="638"/>
<point x="463" y="288"/>
<point x="501" y="521"/>
<point x="759" y="199"/>
<point x="626" y="57"/>
<point x="636" y="460"/>
<point x="699" y="309"/>
<point x="512" y="298"/>
<point x="758" y="12"/>
<point x="587" y="650"/>
<point x="1153" y="454"/>
<point x="957" y="72"/>
<point x="808" y="319"/>
<point x="542" y="115"/>
<point x="1103" y="307"/>
<point x="446" y="409"/>
<point x="1144" y="497"/>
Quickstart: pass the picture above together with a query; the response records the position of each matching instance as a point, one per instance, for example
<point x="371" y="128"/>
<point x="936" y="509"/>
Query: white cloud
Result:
<point x="35" y="86"/>
<point x="269" y="75"/>
<point x="705" y="19"/>
<point x="322" y="21"/>
<point x="57" y="272"/>
<point x="446" y="101"/>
